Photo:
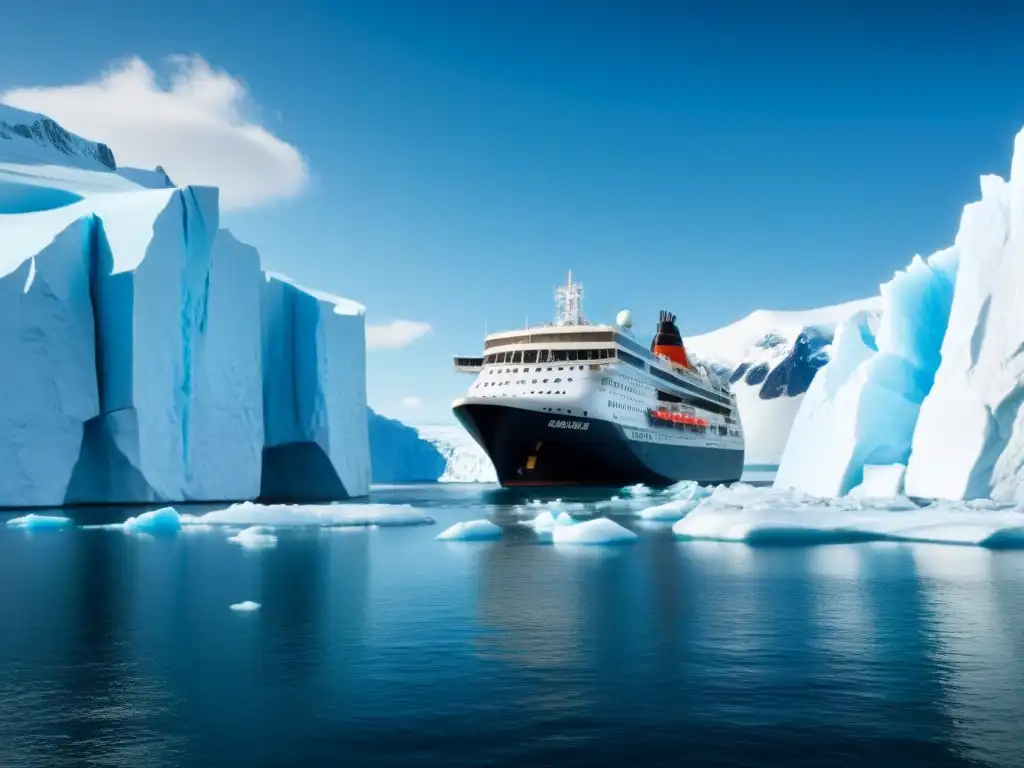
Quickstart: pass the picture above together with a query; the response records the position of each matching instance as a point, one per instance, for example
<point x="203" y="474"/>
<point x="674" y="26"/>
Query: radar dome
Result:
<point x="624" y="319"/>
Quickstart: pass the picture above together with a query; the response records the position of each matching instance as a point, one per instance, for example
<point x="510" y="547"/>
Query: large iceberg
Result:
<point x="314" y="406"/>
<point x="399" y="455"/>
<point x="862" y="408"/>
<point x="969" y="440"/>
<point x="137" y="334"/>
<point x="939" y="388"/>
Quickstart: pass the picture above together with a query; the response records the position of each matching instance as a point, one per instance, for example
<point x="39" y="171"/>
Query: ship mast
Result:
<point x="569" y="304"/>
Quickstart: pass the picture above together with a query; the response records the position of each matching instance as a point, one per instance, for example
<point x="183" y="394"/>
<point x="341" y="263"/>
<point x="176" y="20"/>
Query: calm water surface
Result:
<point x="385" y="647"/>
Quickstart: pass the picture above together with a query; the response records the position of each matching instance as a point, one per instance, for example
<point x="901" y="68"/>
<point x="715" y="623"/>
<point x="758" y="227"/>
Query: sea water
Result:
<point x="379" y="645"/>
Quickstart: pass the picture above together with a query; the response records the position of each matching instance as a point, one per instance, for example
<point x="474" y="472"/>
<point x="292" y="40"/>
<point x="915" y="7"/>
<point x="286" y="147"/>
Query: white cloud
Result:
<point x="395" y="335"/>
<point x="199" y="127"/>
<point x="410" y="403"/>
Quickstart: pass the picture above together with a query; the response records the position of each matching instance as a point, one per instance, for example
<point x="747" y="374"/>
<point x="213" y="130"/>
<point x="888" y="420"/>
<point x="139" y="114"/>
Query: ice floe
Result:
<point x="246" y="605"/>
<point x="33" y="522"/>
<point x="471" y="530"/>
<point x="255" y="537"/>
<point x="600" y="530"/>
<point x="772" y="516"/>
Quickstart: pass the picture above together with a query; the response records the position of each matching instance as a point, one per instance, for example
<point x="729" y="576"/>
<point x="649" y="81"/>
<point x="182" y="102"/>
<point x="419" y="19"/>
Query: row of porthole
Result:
<point x="506" y="383"/>
<point x="491" y="371"/>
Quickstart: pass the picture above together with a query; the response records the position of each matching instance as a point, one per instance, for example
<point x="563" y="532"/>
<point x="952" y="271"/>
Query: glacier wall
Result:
<point x="48" y="389"/>
<point x="943" y="389"/>
<point x="400" y="455"/>
<point x="969" y="438"/>
<point x="465" y="460"/>
<point x="861" y="409"/>
<point x="314" y="409"/>
<point x="135" y="329"/>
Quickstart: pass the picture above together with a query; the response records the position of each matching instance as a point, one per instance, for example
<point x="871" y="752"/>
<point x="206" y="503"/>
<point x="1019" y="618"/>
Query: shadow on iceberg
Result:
<point x="103" y="473"/>
<point x="299" y="473"/>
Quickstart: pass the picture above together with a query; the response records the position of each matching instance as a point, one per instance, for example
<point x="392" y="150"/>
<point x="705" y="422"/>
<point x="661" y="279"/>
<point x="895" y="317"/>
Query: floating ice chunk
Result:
<point x="773" y="516"/>
<point x="880" y="481"/>
<point x="687" y="489"/>
<point x="248" y="513"/>
<point x="165" y="520"/>
<point x="546" y="522"/>
<point x="637" y="490"/>
<point x="255" y="537"/>
<point x="35" y="522"/>
<point x="247" y="605"/>
<point x="471" y="530"/>
<point x="670" y="510"/>
<point x="598" y="531"/>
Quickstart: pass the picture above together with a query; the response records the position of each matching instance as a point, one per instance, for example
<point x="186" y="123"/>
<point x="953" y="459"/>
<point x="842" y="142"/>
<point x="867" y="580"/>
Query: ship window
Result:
<point x="636" y="362"/>
<point x="530" y="356"/>
<point x="573" y="354"/>
<point x="569" y="379"/>
<point x="534" y="381"/>
<point x="557" y="380"/>
<point x="560" y="355"/>
<point x="517" y="357"/>
<point x="545" y="381"/>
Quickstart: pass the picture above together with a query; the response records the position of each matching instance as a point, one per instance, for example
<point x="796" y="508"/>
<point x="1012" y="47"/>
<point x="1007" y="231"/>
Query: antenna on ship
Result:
<point x="569" y="304"/>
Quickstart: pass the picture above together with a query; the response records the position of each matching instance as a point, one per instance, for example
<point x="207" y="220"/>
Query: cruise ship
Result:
<point x="575" y="403"/>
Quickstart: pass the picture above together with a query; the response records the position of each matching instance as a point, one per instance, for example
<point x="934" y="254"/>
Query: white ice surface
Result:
<point x="600" y="530"/>
<point x="881" y="481"/>
<point x="255" y="537"/>
<point x="465" y="460"/>
<point x="283" y="515"/>
<point x="471" y="530"/>
<point x="245" y="606"/>
<point x="772" y="516"/>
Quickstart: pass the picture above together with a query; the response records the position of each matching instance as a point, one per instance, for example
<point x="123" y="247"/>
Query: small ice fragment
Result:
<point x="248" y="513"/>
<point x="471" y="530"/>
<point x="670" y="510"/>
<point x="598" y="531"/>
<point x="33" y="522"/>
<point x="637" y="490"/>
<point x="165" y="520"/>
<point x="255" y="537"/>
<point x="247" y="605"/>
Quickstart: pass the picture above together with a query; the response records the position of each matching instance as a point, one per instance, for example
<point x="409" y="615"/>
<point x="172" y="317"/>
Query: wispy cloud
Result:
<point x="395" y="335"/>
<point x="200" y="127"/>
<point x="410" y="403"/>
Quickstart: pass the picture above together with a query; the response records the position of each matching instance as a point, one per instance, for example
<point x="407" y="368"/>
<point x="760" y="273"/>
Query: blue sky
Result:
<point x="462" y="156"/>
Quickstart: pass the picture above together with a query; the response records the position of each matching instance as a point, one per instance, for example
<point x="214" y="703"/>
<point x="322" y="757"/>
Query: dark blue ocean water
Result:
<point x="385" y="647"/>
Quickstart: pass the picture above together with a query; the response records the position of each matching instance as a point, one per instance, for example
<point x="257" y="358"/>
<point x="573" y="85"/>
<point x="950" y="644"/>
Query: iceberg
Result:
<point x="165" y="520"/>
<point x="863" y="406"/>
<point x="771" y="516"/>
<point x="545" y="522"/>
<point x="48" y="391"/>
<point x="136" y="334"/>
<point x="600" y="530"/>
<point x="471" y="530"/>
<point x="314" y="405"/>
<point x="398" y="454"/>
<point x="32" y="522"/>
<point x="969" y="437"/>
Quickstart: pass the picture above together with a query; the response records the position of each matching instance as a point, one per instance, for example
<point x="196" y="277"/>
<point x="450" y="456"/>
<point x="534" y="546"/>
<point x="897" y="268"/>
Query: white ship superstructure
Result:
<point x="537" y="386"/>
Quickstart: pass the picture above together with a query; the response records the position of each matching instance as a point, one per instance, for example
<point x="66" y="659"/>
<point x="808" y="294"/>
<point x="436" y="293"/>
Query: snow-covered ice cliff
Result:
<point x="136" y="334"/>
<point x="939" y="385"/>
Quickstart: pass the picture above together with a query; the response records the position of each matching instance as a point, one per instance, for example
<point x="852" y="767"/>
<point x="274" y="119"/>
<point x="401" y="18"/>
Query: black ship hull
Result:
<point x="529" y="448"/>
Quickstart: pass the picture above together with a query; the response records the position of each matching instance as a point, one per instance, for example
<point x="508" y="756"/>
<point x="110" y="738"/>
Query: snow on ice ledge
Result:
<point x="769" y="516"/>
